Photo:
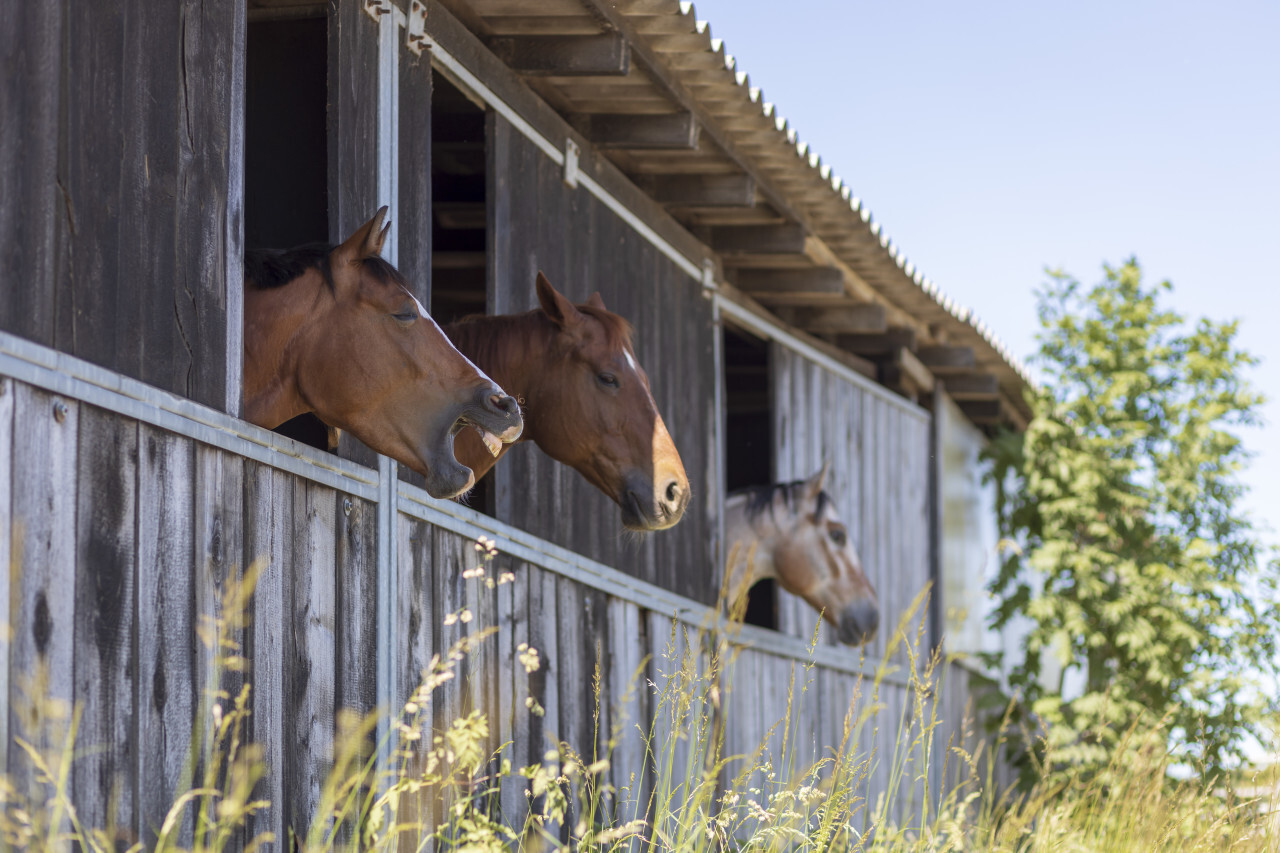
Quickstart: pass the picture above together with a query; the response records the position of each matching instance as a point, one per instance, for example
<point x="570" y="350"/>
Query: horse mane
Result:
<point x="761" y="498"/>
<point x="268" y="269"/>
<point x="485" y="335"/>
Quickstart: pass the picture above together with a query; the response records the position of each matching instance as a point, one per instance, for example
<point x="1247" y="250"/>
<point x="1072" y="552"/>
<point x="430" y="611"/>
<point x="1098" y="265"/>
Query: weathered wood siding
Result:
<point x="124" y="538"/>
<point x="878" y="447"/>
<point x="539" y="223"/>
<point x="120" y="174"/>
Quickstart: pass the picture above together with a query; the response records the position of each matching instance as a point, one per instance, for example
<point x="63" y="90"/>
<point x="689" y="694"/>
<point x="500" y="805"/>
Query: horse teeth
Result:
<point x="491" y="441"/>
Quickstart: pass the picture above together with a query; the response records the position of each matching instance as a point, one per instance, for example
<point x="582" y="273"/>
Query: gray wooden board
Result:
<point x="30" y="43"/>
<point x="310" y="651"/>
<point x="137" y="210"/>
<point x="268" y="542"/>
<point x="43" y="568"/>
<point x="417" y="621"/>
<point x="7" y="623"/>
<point x="103" y="780"/>
<point x="167" y="681"/>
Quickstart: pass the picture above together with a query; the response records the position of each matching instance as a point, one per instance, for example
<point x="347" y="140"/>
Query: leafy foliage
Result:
<point x="1128" y="552"/>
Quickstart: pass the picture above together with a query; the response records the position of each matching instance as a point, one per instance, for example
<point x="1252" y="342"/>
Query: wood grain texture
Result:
<point x="105" y="633"/>
<point x="168" y="684"/>
<point x="121" y="148"/>
<point x="310" y="651"/>
<point x="30" y="52"/>
<point x="8" y="554"/>
<point x="268" y="541"/>
<point x="42" y="569"/>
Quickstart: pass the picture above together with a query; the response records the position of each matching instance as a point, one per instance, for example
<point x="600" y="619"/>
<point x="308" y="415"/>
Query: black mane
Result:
<point x="760" y="498"/>
<point x="267" y="269"/>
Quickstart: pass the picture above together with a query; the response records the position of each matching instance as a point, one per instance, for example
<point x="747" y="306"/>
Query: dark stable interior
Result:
<point x="286" y="196"/>
<point x="748" y="442"/>
<point x="459" y="187"/>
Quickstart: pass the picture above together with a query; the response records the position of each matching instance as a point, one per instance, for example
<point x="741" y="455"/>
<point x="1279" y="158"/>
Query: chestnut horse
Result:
<point x="792" y="533"/>
<point x="337" y="332"/>
<point x="587" y="401"/>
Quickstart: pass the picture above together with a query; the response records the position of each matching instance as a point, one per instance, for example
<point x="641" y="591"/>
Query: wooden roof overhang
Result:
<point x="646" y="83"/>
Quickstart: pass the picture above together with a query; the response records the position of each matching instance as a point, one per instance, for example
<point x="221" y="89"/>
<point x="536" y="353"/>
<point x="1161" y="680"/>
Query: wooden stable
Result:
<point x="611" y="145"/>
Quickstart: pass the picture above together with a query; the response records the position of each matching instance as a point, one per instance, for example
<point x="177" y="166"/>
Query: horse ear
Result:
<point x="813" y="487"/>
<point x="367" y="240"/>
<point x="558" y="309"/>
<point x="596" y="302"/>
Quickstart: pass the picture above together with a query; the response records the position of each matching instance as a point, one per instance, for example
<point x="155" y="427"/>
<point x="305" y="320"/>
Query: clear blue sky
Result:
<point x="994" y="139"/>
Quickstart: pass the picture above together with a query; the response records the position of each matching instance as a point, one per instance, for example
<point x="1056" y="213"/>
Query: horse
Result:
<point x="336" y="332"/>
<point x="586" y="399"/>
<point x="792" y="533"/>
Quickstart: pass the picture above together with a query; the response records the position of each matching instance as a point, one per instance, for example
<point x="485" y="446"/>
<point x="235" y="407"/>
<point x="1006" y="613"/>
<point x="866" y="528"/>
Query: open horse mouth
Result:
<point x="494" y="416"/>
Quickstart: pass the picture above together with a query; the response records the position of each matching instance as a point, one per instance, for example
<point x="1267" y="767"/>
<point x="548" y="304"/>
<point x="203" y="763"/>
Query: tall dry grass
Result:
<point x="439" y="789"/>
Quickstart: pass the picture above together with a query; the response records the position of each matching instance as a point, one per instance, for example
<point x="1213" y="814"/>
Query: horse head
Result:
<point x="792" y="532"/>
<point x="338" y="333"/>
<point x="596" y="413"/>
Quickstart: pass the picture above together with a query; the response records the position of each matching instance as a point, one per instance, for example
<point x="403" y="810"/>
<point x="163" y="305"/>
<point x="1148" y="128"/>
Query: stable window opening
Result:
<point x="748" y="444"/>
<point x="459" y="222"/>
<point x="286" y="166"/>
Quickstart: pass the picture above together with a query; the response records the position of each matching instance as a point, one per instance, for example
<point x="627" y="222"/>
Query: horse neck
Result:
<point x="273" y="319"/>
<point x="750" y="540"/>
<point x="510" y="348"/>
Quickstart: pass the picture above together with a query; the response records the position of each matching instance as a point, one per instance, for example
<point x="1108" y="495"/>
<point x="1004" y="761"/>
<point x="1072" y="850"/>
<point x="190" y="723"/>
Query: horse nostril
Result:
<point x="673" y="492"/>
<point x="503" y="403"/>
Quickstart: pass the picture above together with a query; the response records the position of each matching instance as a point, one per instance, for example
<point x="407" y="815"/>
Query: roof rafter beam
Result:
<point x="777" y="285"/>
<point x="948" y="359"/>
<point x="973" y="386"/>
<point x="701" y="190"/>
<point x="604" y="55"/>
<point x="867" y="318"/>
<point x="637" y="132"/>
<point x="758" y="239"/>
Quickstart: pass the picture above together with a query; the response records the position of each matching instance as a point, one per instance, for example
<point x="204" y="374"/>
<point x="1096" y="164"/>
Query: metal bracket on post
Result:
<point x="377" y="8"/>
<point x="416" y="27"/>
<point x="571" y="152"/>
<point x="708" y="274"/>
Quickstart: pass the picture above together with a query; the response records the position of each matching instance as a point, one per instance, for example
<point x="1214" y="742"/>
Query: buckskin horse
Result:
<point x="587" y="402"/>
<point x="337" y="332"/>
<point x="792" y="533"/>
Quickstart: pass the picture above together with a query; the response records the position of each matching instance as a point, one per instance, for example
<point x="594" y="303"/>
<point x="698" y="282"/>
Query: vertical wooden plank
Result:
<point x="356" y="588"/>
<point x="310" y="651"/>
<point x="268" y="540"/>
<point x="43" y="567"/>
<point x="8" y="554"/>
<point x="103" y="784"/>
<point x="413" y="148"/>
<point x="629" y="726"/>
<point x="31" y="54"/>
<point x="207" y="290"/>
<point x="513" y="685"/>
<point x="418" y="619"/>
<point x="168" y="685"/>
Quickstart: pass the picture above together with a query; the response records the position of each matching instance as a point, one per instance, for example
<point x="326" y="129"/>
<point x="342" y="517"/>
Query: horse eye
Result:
<point x="406" y="316"/>
<point x="608" y="380"/>
<point x="838" y="537"/>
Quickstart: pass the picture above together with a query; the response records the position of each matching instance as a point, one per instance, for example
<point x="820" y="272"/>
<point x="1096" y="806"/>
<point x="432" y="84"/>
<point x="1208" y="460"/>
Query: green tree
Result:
<point x="1133" y="564"/>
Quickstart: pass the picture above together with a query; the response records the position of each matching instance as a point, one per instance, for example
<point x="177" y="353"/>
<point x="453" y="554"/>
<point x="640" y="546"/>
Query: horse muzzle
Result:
<point x="858" y="623"/>
<point x="495" y="415"/>
<point x="646" y="507"/>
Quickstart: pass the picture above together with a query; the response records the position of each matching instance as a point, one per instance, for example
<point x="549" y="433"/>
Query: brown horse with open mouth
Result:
<point x="587" y="402"/>
<point x="337" y="332"/>
<point x="791" y="532"/>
